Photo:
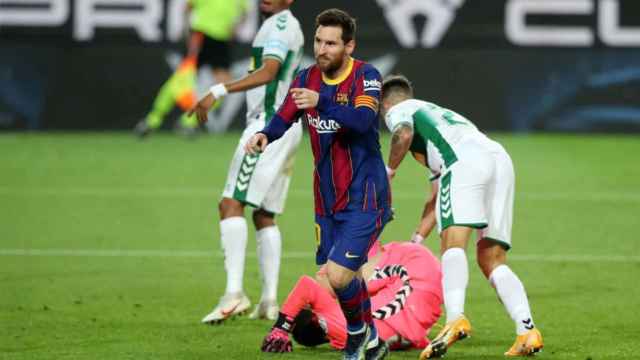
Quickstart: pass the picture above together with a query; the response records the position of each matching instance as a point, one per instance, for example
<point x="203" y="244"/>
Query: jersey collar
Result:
<point x="342" y="76"/>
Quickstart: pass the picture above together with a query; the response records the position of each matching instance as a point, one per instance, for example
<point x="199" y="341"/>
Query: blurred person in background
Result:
<point x="472" y="189"/>
<point x="209" y="43"/>
<point x="262" y="180"/>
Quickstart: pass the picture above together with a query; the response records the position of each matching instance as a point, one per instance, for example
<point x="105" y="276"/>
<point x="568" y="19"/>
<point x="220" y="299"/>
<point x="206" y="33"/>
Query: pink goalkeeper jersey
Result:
<point x="420" y="310"/>
<point x="422" y="307"/>
<point x="423" y="268"/>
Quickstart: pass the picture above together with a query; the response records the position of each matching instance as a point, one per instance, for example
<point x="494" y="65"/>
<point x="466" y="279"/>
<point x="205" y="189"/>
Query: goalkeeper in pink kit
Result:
<point x="404" y="282"/>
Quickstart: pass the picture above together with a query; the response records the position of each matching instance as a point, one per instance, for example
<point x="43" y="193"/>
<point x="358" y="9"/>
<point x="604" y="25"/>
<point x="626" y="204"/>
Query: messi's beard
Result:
<point x="331" y="68"/>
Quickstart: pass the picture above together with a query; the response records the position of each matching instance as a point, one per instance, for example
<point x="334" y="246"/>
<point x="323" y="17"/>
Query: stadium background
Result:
<point x="109" y="246"/>
<point x="571" y="67"/>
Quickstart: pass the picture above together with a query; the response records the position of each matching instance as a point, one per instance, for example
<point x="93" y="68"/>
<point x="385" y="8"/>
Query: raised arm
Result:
<point x="364" y="112"/>
<point x="265" y="74"/>
<point x="359" y="117"/>
<point x="273" y="55"/>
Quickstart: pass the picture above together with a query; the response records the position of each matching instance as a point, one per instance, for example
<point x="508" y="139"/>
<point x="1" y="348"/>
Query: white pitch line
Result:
<point x="137" y="192"/>
<point x="575" y="258"/>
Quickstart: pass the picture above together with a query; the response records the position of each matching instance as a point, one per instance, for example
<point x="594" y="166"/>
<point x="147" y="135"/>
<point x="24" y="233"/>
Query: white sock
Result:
<point x="269" y="243"/>
<point x="512" y="294"/>
<point x="455" y="277"/>
<point x="233" y="237"/>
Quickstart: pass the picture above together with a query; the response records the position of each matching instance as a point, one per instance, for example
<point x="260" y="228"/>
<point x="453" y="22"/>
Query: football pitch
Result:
<point x="109" y="248"/>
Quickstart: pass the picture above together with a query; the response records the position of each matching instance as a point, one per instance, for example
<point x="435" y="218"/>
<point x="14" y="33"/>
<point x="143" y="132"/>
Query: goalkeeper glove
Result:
<point x="277" y="341"/>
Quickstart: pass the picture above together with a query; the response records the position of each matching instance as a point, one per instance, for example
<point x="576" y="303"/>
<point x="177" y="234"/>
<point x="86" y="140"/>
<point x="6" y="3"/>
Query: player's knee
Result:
<point x="490" y="255"/>
<point x="455" y="237"/>
<point x="447" y="246"/>
<point x="339" y="279"/>
<point x="230" y="208"/>
<point x="263" y="218"/>
<point x="338" y="282"/>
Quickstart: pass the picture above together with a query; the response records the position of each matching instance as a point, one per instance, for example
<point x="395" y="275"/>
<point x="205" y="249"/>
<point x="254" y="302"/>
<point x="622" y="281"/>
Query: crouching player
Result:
<point x="473" y="188"/>
<point x="404" y="282"/>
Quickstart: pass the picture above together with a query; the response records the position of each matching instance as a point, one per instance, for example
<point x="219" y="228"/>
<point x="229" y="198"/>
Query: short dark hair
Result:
<point x="337" y="17"/>
<point x="307" y="330"/>
<point x="396" y="84"/>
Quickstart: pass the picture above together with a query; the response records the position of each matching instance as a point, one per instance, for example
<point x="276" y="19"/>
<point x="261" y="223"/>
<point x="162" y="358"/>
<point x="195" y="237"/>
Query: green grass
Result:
<point x="575" y="247"/>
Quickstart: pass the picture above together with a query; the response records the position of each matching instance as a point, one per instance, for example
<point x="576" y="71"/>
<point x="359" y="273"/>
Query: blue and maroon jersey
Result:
<point x="343" y="128"/>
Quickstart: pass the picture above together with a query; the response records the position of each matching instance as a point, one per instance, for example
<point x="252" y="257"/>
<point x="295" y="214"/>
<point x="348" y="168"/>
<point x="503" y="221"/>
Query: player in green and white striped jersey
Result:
<point x="472" y="189"/>
<point x="260" y="181"/>
<point x="279" y="38"/>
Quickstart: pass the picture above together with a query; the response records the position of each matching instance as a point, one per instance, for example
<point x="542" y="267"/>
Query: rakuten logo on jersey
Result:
<point x="372" y="85"/>
<point x="323" y="126"/>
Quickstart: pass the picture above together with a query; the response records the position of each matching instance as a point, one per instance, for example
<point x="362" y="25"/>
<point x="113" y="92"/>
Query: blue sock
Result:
<point x="366" y="312"/>
<point x="350" y="298"/>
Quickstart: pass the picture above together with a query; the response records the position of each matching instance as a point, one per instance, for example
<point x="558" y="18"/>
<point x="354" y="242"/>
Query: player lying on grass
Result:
<point x="473" y="188"/>
<point x="404" y="285"/>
